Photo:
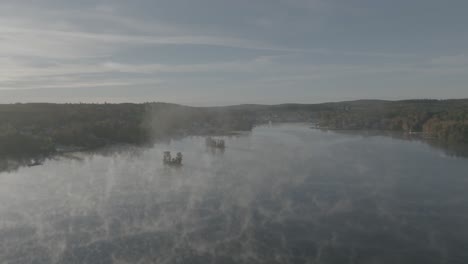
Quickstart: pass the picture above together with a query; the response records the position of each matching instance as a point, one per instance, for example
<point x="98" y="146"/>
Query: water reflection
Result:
<point x="454" y="149"/>
<point x="284" y="194"/>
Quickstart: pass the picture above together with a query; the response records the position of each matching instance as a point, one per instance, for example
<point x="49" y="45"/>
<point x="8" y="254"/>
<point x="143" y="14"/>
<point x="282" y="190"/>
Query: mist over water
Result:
<point x="281" y="194"/>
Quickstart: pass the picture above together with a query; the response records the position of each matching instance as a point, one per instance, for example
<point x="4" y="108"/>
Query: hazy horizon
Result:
<point x="227" y="104"/>
<point x="212" y="52"/>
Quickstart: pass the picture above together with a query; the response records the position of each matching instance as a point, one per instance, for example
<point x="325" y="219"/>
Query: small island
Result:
<point x="215" y="143"/>
<point x="169" y="160"/>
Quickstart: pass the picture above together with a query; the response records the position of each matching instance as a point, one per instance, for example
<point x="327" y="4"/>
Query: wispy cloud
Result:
<point x="290" y="44"/>
<point x="267" y="69"/>
<point x="41" y="36"/>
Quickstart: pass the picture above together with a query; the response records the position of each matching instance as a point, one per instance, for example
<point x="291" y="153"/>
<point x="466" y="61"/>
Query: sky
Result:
<point x="223" y="52"/>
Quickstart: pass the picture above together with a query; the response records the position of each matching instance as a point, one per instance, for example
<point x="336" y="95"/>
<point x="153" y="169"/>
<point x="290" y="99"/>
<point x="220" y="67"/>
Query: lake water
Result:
<point x="280" y="194"/>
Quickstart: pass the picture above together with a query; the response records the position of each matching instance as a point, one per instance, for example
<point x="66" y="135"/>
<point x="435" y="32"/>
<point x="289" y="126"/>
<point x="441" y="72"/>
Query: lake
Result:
<point x="280" y="194"/>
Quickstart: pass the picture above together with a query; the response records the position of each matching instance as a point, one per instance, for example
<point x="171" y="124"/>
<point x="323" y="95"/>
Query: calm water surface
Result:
<point x="281" y="194"/>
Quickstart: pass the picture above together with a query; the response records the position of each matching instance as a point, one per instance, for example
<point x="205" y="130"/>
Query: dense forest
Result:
<point x="31" y="130"/>
<point x="28" y="130"/>
<point x="445" y="120"/>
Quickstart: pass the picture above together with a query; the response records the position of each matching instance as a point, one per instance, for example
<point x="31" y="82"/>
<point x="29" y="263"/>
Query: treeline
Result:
<point x="445" y="120"/>
<point x="29" y="130"/>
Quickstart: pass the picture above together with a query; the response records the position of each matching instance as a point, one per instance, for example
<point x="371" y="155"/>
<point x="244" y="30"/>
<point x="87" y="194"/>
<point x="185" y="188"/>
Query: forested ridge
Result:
<point x="445" y="120"/>
<point x="29" y="130"/>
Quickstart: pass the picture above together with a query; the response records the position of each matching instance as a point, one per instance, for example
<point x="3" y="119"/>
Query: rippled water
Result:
<point x="281" y="194"/>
